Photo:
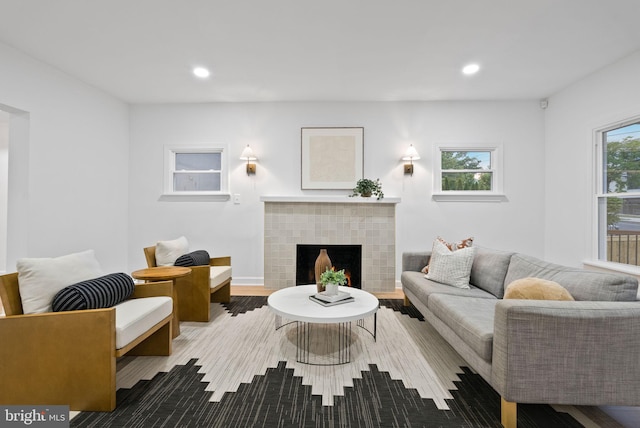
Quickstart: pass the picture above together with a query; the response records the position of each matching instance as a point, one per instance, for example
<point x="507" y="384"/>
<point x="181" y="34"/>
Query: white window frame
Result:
<point x="494" y="195"/>
<point x="169" y="169"/>
<point x="600" y="224"/>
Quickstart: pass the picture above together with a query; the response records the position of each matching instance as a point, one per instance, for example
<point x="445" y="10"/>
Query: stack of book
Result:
<point x="325" y="299"/>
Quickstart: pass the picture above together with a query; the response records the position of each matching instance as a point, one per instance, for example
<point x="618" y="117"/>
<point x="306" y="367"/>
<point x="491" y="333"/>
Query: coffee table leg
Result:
<point x="278" y="320"/>
<point x="373" y="333"/>
<point x="303" y="343"/>
<point x="344" y="337"/>
<point x="303" y="333"/>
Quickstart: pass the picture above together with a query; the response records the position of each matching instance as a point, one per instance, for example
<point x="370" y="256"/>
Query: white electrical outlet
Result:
<point x="236" y="198"/>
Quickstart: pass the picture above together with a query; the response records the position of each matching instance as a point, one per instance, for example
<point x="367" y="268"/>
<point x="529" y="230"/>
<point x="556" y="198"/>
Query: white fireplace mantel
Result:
<point x="329" y="199"/>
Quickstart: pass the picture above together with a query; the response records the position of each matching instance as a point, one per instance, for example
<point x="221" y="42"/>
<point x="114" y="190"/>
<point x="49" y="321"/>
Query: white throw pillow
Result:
<point x="450" y="267"/>
<point x="39" y="279"/>
<point x="167" y="252"/>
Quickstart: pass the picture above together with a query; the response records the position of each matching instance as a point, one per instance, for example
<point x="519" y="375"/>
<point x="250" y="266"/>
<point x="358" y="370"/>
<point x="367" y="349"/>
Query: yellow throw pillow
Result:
<point x="536" y="289"/>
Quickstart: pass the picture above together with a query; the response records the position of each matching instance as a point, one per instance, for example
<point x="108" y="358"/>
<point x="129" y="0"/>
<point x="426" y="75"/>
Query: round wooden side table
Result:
<point x="165" y="273"/>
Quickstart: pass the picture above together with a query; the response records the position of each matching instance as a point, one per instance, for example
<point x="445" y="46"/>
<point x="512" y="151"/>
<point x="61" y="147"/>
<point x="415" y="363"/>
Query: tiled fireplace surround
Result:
<point x="332" y="220"/>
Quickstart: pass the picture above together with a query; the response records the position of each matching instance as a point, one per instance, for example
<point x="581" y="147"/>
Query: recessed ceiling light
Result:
<point x="471" y="69"/>
<point x="201" y="72"/>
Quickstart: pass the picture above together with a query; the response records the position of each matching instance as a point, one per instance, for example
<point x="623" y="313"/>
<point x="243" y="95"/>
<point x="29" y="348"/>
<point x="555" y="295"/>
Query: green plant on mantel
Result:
<point x="331" y="276"/>
<point x="366" y="188"/>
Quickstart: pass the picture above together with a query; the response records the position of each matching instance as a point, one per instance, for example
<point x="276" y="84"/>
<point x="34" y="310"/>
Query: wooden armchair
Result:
<point x="206" y="284"/>
<point x="69" y="358"/>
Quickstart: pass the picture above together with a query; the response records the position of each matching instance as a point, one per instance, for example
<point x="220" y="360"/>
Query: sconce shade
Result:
<point x="247" y="154"/>
<point x="410" y="155"/>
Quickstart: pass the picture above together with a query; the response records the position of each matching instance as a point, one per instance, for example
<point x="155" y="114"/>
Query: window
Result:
<point x="618" y="193"/>
<point x="468" y="173"/>
<point x="192" y="171"/>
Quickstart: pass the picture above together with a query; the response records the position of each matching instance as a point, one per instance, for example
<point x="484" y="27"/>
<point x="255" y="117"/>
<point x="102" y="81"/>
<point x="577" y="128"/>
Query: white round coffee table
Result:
<point x="293" y="304"/>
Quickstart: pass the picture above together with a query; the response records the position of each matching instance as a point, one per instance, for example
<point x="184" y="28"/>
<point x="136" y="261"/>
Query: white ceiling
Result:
<point x="142" y="51"/>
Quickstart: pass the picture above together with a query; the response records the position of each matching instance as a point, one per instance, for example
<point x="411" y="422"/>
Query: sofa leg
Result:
<point x="406" y="301"/>
<point x="509" y="413"/>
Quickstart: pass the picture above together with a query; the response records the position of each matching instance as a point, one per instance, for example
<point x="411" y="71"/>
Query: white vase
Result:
<point x="332" y="289"/>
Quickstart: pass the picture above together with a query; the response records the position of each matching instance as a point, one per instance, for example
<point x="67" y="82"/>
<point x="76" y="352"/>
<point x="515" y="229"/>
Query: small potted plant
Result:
<point x="366" y="187"/>
<point x="330" y="279"/>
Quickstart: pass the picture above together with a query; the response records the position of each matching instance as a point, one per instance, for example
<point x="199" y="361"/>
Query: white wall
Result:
<point x="76" y="182"/>
<point x="4" y="176"/>
<point x="68" y="185"/>
<point x="603" y="98"/>
<point x="273" y="130"/>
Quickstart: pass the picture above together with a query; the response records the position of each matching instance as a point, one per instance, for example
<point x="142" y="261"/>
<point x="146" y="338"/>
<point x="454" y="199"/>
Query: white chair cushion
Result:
<point x="167" y="252"/>
<point x="136" y="316"/>
<point x="40" y="279"/>
<point x="218" y="275"/>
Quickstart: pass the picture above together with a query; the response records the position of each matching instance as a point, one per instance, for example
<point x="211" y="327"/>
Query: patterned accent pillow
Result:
<point x="452" y="246"/>
<point x="103" y="292"/>
<point x="195" y="258"/>
<point x="450" y="267"/>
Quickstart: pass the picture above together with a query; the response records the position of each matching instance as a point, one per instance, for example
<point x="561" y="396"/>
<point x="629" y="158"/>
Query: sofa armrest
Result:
<point x="415" y="261"/>
<point x="153" y="289"/>
<point x="10" y="294"/>
<point x="59" y="358"/>
<point x="582" y="353"/>
<point x="220" y="261"/>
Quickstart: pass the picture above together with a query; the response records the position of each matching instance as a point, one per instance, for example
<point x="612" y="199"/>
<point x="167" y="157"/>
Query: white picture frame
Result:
<point x="332" y="158"/>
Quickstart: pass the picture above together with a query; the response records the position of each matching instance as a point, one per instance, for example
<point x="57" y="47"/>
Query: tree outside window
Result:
<point x="619" y="194"/>
<point x="466" y="170"/>
<point x="469" y="173"/>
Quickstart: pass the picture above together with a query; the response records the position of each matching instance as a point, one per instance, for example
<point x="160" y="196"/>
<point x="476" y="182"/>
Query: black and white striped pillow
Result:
<point x="103" y="292"/>
<point x="195" y="258"/>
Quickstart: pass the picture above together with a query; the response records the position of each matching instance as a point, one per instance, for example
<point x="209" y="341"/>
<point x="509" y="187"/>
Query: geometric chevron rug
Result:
<point x="239" y="371"/>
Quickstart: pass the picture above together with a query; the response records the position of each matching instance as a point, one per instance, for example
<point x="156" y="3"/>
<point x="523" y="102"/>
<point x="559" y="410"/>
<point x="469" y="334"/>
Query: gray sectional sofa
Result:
<point x="582" y="352"/>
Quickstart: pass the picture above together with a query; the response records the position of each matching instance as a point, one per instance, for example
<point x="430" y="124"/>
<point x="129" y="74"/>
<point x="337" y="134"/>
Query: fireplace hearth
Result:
<point x="347" y="257"/>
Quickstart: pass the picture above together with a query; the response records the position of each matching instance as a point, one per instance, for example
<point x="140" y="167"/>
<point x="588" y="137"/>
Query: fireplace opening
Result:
<point x="347" y="257"/>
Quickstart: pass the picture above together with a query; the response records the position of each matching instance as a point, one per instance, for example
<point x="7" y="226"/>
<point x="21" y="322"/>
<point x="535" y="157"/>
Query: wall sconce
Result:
<point x="410" y="155"/>
<point x="247" y="154"/>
